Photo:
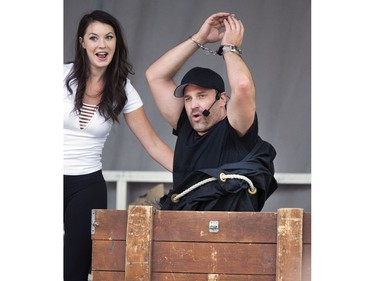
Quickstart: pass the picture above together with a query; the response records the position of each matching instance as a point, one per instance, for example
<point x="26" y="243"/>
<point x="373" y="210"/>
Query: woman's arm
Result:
<point x="140" y="125"/>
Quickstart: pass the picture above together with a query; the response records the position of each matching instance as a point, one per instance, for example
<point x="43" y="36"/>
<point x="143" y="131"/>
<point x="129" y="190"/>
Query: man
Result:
<point x="220" y="162"/>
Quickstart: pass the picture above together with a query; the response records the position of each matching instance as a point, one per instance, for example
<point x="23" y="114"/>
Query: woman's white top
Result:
<point x="83" y="147"/>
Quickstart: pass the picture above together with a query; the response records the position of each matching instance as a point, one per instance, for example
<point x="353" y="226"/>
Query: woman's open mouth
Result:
<point x="102" y="55"/>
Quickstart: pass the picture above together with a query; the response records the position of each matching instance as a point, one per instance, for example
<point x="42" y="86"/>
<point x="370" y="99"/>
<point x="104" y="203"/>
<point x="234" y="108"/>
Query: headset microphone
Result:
<point x="206" y="112"/>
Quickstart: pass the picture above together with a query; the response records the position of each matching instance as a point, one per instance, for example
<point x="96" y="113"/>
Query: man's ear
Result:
<point x="223" y="96"/>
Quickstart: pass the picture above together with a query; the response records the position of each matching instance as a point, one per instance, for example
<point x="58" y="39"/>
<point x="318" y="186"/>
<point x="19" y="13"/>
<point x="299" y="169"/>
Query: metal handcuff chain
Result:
<point x="175" y="198"/>
<point x="203" y="47"/>
<point x="221" y="51"/>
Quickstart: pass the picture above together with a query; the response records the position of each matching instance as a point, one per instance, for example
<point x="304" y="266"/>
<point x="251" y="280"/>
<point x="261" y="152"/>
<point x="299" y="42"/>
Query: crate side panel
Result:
<point x="111" y="224"/>
<point x="232" y="226"/>
<point x="228" y="258"/>
<point x="108" y="255"/>
<point x="107" y="276"/>
<point x="209" y="277"/>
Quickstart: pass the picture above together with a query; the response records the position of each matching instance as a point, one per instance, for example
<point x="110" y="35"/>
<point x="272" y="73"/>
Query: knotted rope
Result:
<point x="223" y="177"/>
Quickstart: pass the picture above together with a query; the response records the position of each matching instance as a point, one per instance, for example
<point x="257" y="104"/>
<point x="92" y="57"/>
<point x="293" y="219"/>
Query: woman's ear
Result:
<point x="81" y="41"/>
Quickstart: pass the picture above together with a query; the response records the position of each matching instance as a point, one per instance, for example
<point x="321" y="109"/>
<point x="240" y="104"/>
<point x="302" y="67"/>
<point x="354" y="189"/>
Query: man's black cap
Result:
<point x="203" y="77"/>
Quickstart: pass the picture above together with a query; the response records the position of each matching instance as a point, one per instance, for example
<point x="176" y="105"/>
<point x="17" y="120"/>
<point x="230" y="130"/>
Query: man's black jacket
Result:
<point x="231" y="195"/>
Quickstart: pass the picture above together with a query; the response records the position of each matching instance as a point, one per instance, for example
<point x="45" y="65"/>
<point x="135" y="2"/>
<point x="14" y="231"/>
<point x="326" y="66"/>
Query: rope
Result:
<point x="223" y="177"/>
<point x="176" y="197"/>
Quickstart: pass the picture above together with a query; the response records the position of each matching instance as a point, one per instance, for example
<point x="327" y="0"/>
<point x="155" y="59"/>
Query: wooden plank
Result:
<point x="192" y="257"/>
<point x="209" y="277"/>
<point x="306" y="228"/>
<point x="306" y="251"/>
<point x="110" y="224"/>
<point x="233" y="226"/>
<point x="249" y="258"/>
<point x="107" y="276"/>
<point x="139" y="243"/>
<point x="108" y="255"/>
<point x="259" y="227"/>
<point x="306" y="262"/>
<point x="289" y="244"/>
<point x="228" y="258"/>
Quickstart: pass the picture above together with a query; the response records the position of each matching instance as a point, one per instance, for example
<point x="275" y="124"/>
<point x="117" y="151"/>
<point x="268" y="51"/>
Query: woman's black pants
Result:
<point x="81" y="194"/>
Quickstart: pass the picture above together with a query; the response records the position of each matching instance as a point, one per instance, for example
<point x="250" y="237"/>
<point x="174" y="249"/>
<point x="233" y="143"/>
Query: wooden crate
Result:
<point x="146" y="244"/>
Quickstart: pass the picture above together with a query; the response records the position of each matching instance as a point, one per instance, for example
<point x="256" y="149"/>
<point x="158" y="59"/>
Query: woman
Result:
<point x="96" y="91"/>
